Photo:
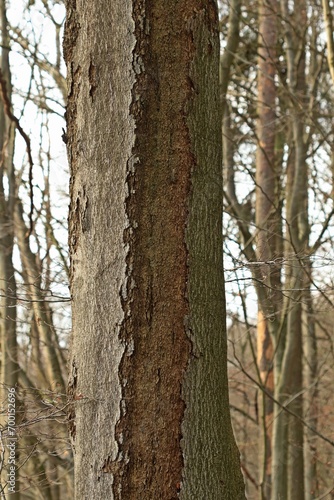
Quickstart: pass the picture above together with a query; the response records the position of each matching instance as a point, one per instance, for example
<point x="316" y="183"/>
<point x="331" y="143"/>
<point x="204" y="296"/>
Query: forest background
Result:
<point x="277" y="75"/>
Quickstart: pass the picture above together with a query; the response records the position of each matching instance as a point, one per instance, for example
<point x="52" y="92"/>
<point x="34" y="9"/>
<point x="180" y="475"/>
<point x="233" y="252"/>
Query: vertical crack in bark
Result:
<point x="93" y="81"/>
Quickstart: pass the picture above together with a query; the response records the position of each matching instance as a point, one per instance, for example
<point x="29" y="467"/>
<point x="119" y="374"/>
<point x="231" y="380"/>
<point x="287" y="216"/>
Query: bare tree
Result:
<point x="33" y="360"/>
<point x="272" y="239"/>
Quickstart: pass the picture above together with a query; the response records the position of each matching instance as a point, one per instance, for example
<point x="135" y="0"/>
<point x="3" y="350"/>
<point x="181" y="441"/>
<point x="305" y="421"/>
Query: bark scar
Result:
<point x="92" y="76"/>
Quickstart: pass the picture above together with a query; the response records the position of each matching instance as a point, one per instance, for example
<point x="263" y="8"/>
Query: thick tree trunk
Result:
<point x="148" y="383"/>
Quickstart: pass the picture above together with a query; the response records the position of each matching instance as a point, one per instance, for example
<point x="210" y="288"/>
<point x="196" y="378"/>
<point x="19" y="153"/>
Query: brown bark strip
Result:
<point x="155" y="303"/>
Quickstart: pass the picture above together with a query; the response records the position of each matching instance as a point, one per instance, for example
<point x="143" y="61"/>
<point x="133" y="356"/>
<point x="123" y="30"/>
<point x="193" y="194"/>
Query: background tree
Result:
<point x="33" y="304"/>
<point x="277" y="122"/>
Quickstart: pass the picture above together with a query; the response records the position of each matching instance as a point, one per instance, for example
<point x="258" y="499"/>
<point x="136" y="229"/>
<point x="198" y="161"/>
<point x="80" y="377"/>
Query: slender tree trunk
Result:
<point x="266" y="222"/>
<point x="150" y="416"/>
<point x="232" y="42"/>
<point x="9" y="361"/>
<point x="328" y="17"/>
<point x="288" y="459"/>
<point x="265" y="354"/>
<point x="311" y="372"/>
<point x="42" y="314"/>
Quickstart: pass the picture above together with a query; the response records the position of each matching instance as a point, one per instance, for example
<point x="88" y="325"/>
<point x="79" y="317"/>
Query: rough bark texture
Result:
<point x="148" y="385"/>
<point x="211" y="459"/>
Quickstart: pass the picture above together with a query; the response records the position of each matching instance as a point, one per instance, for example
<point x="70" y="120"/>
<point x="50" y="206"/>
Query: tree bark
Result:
<point x="148" y="381"/>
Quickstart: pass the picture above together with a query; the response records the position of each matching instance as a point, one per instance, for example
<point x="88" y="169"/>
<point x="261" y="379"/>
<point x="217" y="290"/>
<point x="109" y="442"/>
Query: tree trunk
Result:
<point x="9" y="361"/>
<point x="328" y="18"/>
<point x="312" y="408"/>
<point x="267" y="224"/>
<point x="42" y="313"/>
<point x="288" y="454"/>
<point x="148" y="381"/>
